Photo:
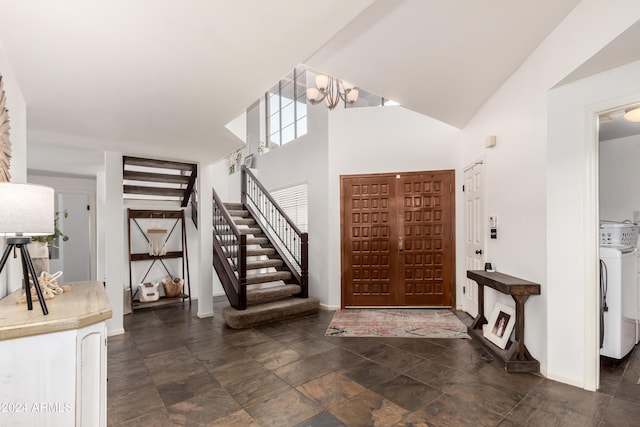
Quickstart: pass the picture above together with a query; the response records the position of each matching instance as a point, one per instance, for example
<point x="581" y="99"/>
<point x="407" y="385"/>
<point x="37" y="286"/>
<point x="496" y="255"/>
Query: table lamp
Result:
<point x="27" y="210"/>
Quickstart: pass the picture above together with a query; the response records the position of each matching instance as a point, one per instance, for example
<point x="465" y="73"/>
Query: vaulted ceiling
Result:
<point x="164" y="77"/>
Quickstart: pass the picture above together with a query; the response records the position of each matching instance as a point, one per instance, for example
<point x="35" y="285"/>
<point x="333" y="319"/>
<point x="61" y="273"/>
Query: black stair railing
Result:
<point x="229" y="255"/>
<point x="290" y="242"/>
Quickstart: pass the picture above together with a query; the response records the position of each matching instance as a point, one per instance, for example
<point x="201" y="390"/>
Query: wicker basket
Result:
<point x="172" y="287"/>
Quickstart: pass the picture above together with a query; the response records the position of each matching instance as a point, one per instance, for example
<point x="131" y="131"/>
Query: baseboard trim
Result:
<point x="329" y="307"/>
<point x="113" y="332"/>
<point x="561" y="379"/>
<point x="204" y="315"/>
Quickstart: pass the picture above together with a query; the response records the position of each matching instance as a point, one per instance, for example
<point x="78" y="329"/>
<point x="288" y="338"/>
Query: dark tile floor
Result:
<point x="171" y="368"/>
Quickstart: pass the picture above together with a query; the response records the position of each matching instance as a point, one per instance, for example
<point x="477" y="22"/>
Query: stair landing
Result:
<point x="269" y="312"/>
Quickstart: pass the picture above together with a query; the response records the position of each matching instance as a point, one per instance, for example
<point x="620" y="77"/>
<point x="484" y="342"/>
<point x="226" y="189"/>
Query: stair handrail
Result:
<point x="230" y="246"/>
<point x="190" y="186"/>
<point x="294" y="241"/>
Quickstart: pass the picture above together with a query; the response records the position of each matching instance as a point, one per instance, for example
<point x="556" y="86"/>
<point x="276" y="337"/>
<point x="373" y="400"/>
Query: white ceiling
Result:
<point x="162" y="77"/>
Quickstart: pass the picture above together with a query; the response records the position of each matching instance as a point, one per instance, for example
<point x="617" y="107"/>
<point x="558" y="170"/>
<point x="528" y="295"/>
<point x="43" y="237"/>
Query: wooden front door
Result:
<point x="397" y="239"/>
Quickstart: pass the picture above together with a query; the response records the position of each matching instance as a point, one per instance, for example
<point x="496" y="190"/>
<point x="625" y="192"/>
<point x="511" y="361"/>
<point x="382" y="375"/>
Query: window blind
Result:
<point x="294" y="201"/>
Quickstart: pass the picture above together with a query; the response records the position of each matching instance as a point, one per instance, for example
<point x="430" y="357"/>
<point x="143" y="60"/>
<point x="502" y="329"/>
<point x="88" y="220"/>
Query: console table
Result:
<point x="516" y="357"/>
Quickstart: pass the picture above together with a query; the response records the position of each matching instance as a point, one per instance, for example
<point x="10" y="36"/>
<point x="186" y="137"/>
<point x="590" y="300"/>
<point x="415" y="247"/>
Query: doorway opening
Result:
<point x="76" y="256"/>
<point x="619" y="216"/>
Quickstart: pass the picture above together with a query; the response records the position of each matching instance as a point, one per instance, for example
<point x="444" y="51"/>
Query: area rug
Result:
<point x="397" y="322"/>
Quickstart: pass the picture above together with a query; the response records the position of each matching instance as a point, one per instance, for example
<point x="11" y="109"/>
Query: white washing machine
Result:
<point x="619" y="291"/>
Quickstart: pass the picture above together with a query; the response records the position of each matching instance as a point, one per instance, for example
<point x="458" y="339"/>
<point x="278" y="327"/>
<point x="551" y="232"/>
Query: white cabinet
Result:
<point x="55" y="377"/>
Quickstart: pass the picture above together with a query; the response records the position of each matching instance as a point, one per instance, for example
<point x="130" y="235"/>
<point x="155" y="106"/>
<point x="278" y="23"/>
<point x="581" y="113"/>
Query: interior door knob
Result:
<point x="478" y="251"/>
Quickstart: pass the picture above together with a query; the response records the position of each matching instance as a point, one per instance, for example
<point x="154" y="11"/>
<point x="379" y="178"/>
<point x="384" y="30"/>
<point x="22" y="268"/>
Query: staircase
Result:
<point x="261" y="259"/>
<point x="152" y="179"/>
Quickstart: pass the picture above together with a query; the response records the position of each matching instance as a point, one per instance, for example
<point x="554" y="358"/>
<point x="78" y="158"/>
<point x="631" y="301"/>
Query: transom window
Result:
<point x="286" y="109"/>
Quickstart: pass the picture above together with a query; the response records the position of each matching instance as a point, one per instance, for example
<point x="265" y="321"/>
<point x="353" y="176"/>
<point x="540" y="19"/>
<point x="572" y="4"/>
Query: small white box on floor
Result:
<point x="149" y="291"/>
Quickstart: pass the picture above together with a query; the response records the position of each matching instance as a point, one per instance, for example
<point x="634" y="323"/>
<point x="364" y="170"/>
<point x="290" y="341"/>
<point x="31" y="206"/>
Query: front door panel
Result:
<point x="427" y="239"/>
<point x="370" y="260"/>
<point x="397" y="239"/>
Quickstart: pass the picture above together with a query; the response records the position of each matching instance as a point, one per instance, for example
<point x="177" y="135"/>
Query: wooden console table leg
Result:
<point x="522" y="352"/>
<point x="480" y="319"/>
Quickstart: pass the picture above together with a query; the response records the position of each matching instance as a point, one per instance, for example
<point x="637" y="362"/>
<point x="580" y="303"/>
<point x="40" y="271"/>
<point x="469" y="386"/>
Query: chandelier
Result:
<point x="332" y="90"/>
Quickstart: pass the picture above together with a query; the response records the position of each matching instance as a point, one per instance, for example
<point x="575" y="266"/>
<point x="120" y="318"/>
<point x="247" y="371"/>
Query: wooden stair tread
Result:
<point x="257" y="240"/>
<point x="244" y="221"/>
<point x="250" y="240"/>
<point x="269" y="312"/>
<point x="233" y="206"/>
<point x="238" y="213"/>
<point x="268" y="277"/>
<point x="256" y="296"/>
<point x="254" y="231"/>
<point x="153" y="163"/>
<point x="153" y="191"/>
<point x="155" y="177"/>
<point x="253" y="251"/>
<point x="265" y="263"/>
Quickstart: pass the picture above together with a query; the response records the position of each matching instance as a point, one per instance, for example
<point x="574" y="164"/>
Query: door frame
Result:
<point x="452" y="196"/>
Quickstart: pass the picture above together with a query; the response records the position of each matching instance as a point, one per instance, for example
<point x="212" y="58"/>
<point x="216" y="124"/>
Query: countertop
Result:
<point x="85" y="304"/>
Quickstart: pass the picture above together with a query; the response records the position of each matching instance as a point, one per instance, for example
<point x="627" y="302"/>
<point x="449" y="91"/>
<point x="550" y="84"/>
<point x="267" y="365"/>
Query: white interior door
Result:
<point x="75" y="253"/>
<point x="474" y="232"/>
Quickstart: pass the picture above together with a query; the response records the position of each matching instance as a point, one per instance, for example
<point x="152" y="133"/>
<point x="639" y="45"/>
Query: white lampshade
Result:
<point x="347" y="86"/>
<point x="352" y="96"/>
<point x="313" y="94"/>
<point x="322" y="82"/>
<point x="632" y="114"/>
<point x="27" y="210"/>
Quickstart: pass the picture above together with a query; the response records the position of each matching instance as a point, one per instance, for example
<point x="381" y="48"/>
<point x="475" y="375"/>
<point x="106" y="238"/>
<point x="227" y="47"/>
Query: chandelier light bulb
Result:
<point x="313" y="94"/>
<point x="322" y="82"/>
<point x="632" y="114"/>
<point x="352" y="96"/>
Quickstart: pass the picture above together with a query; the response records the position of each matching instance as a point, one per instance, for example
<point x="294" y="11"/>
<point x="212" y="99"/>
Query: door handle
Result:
<point x="478" y="251"/>
<point x="400" y="244"/>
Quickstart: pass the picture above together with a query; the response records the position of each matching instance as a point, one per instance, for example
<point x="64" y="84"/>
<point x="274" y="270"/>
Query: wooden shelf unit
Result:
<point x="133" y="215"/>
<point x="516" y="357"/>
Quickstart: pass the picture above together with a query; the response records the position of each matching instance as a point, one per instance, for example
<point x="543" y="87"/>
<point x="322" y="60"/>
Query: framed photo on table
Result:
<point x="501" y="323"/>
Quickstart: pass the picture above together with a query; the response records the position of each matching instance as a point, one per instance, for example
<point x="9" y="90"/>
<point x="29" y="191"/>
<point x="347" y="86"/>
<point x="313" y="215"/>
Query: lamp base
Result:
<point x="21" y="242"/>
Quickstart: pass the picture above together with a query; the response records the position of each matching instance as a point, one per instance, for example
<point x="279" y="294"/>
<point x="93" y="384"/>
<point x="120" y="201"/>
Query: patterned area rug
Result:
<point x="398" y="322"/>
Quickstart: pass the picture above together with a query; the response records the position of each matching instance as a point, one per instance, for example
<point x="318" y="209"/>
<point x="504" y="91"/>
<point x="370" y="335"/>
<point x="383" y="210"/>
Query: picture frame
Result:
<point x="248" y="161"/>
<point x="500" y="326"/>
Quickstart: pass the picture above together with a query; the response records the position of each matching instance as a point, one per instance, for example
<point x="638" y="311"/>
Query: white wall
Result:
<point x="536" y="187"/>
<point x="208" y="283"/>
<point x="572" y="236"/>
<point x="111" y="240"/>
<point x="619" y="172"/>
<point x="305" y="161"/>
<point x="66" y="161"/>
<point x="11" y="276"/>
